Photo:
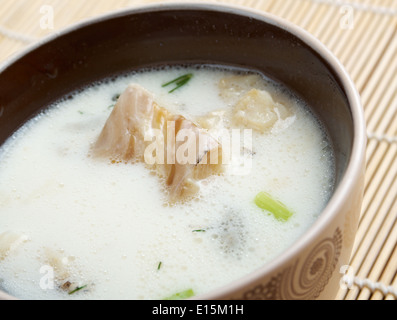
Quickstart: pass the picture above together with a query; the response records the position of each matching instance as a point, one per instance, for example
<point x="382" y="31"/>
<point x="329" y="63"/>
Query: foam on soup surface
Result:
<point x="77" y="227"/>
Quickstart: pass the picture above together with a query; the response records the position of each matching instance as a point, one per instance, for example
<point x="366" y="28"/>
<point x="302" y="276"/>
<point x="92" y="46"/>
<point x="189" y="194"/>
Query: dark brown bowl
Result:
<point x="214" y="34"/>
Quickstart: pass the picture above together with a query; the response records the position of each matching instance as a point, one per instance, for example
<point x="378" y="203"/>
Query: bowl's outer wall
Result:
<point x="128" y="42"/>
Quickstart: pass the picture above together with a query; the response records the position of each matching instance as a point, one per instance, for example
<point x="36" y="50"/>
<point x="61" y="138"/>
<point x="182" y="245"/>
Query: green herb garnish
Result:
<point x="179" y="82"/>
<point x="200" y="230"/>
<point x="266" y="202"/>
<point x="182" y="295"/>
<point x="159" y="266"/>
<point x="77" y="289"/>
<point x="81" y="112"/>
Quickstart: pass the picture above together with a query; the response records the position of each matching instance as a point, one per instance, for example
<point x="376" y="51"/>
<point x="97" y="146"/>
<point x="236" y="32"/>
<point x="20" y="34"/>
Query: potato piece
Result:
<point x="257" y="110"/>
<point x="9" y="241"/>
<point x="135" y="118"/>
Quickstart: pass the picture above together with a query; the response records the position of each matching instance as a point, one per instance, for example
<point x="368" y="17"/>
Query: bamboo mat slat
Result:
<point x="368" y="50"/>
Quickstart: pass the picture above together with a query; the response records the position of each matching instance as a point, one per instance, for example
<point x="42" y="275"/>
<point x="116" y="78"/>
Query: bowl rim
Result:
<point x="357" y="158"/>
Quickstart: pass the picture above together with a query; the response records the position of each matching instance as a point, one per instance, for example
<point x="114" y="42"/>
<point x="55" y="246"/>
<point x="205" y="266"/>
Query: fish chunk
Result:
<point x="185" y="152"/>
<point x="257" y="110"/>
<point x="253" y="107"/>
<point x="233" y="88"/>
<point x="134" y="115"/>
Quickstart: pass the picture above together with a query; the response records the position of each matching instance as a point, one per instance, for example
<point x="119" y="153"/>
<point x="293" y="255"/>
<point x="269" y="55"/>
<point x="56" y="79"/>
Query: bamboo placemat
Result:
<point x="362" y="34"/>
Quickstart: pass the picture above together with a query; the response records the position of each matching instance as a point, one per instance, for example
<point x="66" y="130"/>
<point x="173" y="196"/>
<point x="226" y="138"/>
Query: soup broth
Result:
<point x="74" y="226"/>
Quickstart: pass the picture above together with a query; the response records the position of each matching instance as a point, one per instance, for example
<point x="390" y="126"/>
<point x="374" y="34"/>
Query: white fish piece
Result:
<point x="253" y="107"/>
<point x="233" y="88"/>
<point x="258" y="111"/>
<point x="136" y="117"/>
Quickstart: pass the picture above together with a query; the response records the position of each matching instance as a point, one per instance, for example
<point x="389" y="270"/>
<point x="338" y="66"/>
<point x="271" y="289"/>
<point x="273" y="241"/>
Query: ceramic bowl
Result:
<point x="191" y="33"/>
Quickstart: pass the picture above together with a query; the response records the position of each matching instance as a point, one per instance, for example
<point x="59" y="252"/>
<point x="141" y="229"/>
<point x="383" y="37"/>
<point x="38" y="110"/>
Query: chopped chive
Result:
<point x="179" y="82"/>
<point x="159" y="266"/>
<point x="181" y="295"/>
<point x="78" y="289"/>
<point x="266" y="202"/>
<point x="200" y="230"/>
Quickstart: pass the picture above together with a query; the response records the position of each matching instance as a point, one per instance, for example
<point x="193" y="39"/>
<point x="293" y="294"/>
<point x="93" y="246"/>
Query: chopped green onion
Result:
<point x="182" y="295"/>
<point x="266" y="202"/>
<point x="200" y="230"/>
<point x="78" y="289"/>
<point x="179" y="82"/>
<point x="159" y="266"/>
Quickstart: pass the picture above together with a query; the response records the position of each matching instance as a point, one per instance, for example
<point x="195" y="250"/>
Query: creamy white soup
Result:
<point x="78" y="225"/>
